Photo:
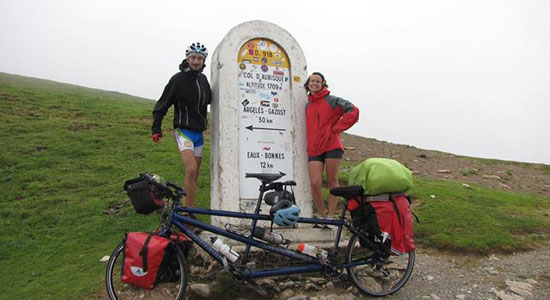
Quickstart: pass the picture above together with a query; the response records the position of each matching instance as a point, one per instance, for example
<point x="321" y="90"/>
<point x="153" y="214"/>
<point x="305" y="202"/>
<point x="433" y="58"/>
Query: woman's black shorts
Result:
<point x="336" y="153"/>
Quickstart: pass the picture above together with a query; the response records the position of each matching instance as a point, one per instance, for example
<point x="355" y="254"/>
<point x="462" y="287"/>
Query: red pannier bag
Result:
<point x="144" y="255"/>
<point x="393" y="219"/>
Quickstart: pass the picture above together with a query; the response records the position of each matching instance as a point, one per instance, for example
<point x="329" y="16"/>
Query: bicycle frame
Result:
<point x="311" y="264"/>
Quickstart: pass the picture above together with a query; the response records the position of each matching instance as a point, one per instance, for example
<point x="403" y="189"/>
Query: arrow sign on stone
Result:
<point x="251" y="128"/>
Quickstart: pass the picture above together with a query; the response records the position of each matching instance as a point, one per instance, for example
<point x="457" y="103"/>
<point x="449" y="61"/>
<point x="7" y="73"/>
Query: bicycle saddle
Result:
<point x="265" y="177"/>
<point x="347" y="191"/>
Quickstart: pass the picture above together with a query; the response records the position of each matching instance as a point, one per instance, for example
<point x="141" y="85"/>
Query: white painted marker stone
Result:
<point x="258" y="116"/>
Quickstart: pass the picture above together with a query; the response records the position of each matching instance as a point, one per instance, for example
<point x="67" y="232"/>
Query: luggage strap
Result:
<point x="143" y="252"/>
<point x="382" y="197"/>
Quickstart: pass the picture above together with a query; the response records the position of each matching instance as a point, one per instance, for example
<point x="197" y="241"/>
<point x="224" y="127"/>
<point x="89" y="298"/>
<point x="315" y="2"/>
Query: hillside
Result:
<point x="67" y="150"/>
<point x="502" y="175"/>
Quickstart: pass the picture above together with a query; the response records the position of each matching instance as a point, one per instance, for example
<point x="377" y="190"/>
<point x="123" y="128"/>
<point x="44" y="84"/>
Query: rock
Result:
<point x="330" y="285"/>
<point x="444" y="171"/>
<point x="287" y="284"/>
<point x="371" y="282"/>
<point x="429" y="278"/>
<point x="460" y="297"/>
<point x="435" y="297"/>
<point x="296" y="277"/>
<point x="195" y="270"/>
<point x="503" y="296"/>
<point x="317" y="280"/>
<point x="287" y="294"/>
<point x="299" y="297"/>
<point x="311" y="286"/>
<point x="105" y="259"/>
<point x="502" y="185"/>
<point x="432" y="196"/>
<point x="210" y="268"/>
<point x="346" y="296"/>
<point x="466" y="185"/>
<point x="200" y="289"/>
<point x="532" y="281"/>
<point x="349" y="148"/>
<point x="493" y="257"/>
<point x="521" y="288"/>
<point x="492" y="177"/>
<point x="266" y="281"/>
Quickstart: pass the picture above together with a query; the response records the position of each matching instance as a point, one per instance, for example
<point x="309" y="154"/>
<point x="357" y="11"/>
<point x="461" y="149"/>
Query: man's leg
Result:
<point x="198" y="159"/>
<point x="315" y="169"/>
<point x="333" y="166"/>
<point x="191" y="175"/>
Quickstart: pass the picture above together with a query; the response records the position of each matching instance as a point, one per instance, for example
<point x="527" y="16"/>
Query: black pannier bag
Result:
<point x="272" y="198"/>
<point x="280" y="193"/>
<point x="359" y="217"/>
<point x="145" y="198"/>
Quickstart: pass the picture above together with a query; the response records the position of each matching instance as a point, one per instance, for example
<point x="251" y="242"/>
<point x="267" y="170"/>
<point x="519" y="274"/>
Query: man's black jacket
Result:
<point x="189" y="92"/>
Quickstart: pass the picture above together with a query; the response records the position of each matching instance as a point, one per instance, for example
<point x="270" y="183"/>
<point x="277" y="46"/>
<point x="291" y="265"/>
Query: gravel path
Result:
<point x="455" y="276"/>
<point x="436" y="275"/>
<point x="446" y="276"/>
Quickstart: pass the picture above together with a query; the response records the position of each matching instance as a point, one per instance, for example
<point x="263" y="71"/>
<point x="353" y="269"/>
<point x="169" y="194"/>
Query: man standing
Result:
<point x="189" y="92"/>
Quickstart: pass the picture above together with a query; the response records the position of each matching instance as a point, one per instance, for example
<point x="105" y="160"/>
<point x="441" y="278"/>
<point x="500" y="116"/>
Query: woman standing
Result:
<point x="326" y="117"/>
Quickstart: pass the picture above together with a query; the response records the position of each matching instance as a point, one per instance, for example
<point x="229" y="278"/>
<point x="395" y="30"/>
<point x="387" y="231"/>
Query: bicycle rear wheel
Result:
<point x="116" y="289"/>
<point x="377" y="276"/>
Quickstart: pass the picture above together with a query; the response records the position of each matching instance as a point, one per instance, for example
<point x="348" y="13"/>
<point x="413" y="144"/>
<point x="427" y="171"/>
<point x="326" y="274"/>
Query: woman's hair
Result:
<point x="306" y="85"/>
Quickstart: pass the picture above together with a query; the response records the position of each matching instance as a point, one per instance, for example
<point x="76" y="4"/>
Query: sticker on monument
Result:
<point x="264" y="135"/>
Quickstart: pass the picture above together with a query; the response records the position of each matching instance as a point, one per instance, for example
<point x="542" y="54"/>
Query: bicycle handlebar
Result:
<point x="165" y="188"/>
<point x="179" y="190"/>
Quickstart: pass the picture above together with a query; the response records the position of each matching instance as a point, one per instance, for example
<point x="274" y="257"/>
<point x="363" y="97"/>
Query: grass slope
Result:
<point x="66" y="152"/>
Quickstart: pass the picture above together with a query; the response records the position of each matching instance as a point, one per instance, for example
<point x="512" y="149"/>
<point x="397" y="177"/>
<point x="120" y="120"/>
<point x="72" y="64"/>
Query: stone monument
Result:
<point x="258" y="125"/>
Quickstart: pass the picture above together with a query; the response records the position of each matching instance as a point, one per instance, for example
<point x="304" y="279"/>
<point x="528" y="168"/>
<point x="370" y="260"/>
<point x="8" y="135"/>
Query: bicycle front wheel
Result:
<point x="116" y="289"/>
<point x="377" y="276"/>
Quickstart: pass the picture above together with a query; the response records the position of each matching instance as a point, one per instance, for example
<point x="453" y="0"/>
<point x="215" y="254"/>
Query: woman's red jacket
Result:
<point x="326" y="117"/>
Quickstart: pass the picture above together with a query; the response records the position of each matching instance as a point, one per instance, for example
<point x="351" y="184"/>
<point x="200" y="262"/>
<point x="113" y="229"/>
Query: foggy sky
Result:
<point x="466" y="77"/>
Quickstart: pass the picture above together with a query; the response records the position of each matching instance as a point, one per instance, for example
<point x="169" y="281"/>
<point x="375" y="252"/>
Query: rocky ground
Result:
<point x="503" y="175"/>
<point x="437" y="275"/>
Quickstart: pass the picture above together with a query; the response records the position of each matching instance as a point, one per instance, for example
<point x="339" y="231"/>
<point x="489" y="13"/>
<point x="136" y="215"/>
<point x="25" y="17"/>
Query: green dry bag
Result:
<point x="381" y="175"/>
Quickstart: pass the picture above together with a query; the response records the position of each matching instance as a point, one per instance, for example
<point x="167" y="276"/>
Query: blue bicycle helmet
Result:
<point x="287" y="216"/>
<point x="196" y="48"/>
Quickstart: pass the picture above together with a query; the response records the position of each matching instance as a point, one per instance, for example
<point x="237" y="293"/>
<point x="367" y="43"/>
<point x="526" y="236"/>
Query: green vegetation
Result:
<point x="66" y="152"/>
<point x="470" y="172"/>
<point x="478" y="219"/>
<point x="492" y="161"/>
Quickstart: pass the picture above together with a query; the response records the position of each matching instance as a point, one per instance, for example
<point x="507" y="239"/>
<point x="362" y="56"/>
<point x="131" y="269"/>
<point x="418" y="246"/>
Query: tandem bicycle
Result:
<point x="372" y="270"/>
